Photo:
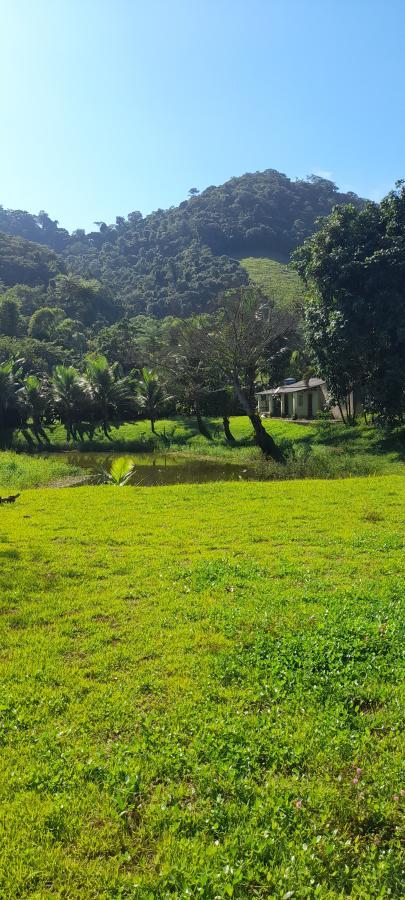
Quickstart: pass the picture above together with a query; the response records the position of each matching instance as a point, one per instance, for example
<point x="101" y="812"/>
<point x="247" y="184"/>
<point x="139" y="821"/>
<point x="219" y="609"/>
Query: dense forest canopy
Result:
<point x="177" y="261"/>
<point x="162" y="298"/>
<point x="23" y="262"/>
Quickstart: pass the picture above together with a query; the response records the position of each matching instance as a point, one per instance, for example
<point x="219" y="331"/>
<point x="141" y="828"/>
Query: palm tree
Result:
<point x="120" y="472"/>
<point x="150" y="396"/>
<point x="110" y="396"/>
<point x="13" y="410"/>
<point x="38" y="398"/>
<point x="70" y="398"/>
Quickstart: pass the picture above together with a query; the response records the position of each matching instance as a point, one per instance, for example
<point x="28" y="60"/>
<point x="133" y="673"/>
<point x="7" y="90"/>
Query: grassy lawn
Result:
<point x="201" y="691"/>
<point x="181" y="435"/>
<point x="20" y="470"/>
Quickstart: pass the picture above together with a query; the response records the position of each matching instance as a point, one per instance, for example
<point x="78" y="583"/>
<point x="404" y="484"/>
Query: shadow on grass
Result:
<point x="184" y="433"/>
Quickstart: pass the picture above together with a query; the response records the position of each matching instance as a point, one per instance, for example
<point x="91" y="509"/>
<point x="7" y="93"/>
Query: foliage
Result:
<point x="248" y="334"/>
<point x="70" y="399"/>
<point x="150" y="397"/>
<point x="43" y="323"/>
<point x="354" y="267"/>
<point x="12" y="404"/>
<point x="120" y="471"/>
<point x="85" y="300"/>
<point x="39" y="357"/>
<point x="210" y="707"/>
<point x="187" y="363"/>
<point x="9" y="316"/>
<point x="109" y="396"/>
<point x="22" y="262"/>
<point x="175" y="262"/>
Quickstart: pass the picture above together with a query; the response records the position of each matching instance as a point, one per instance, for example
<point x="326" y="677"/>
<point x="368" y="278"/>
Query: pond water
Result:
<point x="157" y="469"/>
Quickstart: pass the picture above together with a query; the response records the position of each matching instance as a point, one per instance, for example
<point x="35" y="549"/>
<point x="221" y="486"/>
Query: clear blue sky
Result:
<point x="107" y="106"/>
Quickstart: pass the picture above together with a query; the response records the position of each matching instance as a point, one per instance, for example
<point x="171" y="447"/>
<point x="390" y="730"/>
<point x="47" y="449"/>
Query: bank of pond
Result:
<point x="176" y="455"/>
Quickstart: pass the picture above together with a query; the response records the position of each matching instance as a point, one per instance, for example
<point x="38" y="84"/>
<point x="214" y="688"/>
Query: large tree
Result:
<point x="248" y="335"/>
<point x="354" y="269"/>
<point x="187" y="366"/>
<point x="9" y="316"/>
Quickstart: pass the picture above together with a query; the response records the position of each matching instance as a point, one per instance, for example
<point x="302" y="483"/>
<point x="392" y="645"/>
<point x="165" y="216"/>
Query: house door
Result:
<point x="309" y="406"/>
<point x="286" y="405"/>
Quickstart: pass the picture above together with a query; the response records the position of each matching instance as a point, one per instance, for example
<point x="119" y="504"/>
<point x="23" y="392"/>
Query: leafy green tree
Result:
<point x="22" y="262"/>
<point x="28" y="299"/>
<point x="9" y="316"/>
<point x="82" y="299"/>
<point x="248" y="334"/>
<point x="43" y="323"/>
<point x="354" y="269"/>
<point x="187" y="367"/>
<point x="70" y="333"/>
<point x="37" y="357"/>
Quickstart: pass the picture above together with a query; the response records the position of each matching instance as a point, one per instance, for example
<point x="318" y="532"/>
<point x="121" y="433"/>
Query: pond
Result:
<point x="157" y="469"/>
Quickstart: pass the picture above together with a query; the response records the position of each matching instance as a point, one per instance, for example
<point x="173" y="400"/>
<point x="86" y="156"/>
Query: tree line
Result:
<point x="204" y="365"/>
<point x="176" y="261"/>
<point x="214" y="362"/>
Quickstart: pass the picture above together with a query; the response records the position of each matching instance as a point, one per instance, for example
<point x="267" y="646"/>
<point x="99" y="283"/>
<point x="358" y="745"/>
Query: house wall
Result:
<point x="300" y="403"/>
<point x="358" y="408"/>
<point x="297" y="403"/>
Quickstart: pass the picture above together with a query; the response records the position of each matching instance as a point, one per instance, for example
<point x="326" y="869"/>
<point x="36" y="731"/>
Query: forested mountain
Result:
<point x="177" y="261"/>
<point x="23" y="262"/>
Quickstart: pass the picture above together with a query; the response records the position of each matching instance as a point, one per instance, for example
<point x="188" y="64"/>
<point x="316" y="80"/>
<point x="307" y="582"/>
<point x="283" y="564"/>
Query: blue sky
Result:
<point x="107" y="106"/>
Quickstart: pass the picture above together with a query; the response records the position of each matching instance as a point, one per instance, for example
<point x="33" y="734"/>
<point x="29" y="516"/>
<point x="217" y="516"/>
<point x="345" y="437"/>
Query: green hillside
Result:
<point x="277" y="280"/>
<point x="177" y="261"/>
<point x="25" y="262"/>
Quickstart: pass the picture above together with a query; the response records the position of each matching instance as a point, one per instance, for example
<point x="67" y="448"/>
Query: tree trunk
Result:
<point x="152" y="425"/>
<point x="263" y="439"/>
<point x="200" y="424"/>
<point x="228" y="433"/>
<point x="341" y="411"/>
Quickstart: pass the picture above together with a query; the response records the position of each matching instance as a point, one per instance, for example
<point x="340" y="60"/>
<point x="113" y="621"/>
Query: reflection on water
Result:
<point x="155" y="469"/>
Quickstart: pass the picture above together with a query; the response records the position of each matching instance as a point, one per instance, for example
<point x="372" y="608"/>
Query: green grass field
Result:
<point x="201" y="691"/>
<point x="276" y="279"/>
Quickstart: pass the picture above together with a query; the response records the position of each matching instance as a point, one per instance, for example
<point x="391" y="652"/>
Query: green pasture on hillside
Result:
<point x="276" y="279"/>
<point x="201" y="691"/>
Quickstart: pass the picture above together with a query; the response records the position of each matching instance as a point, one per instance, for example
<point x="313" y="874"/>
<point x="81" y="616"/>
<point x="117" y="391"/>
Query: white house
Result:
<point x="294" y="399"/>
